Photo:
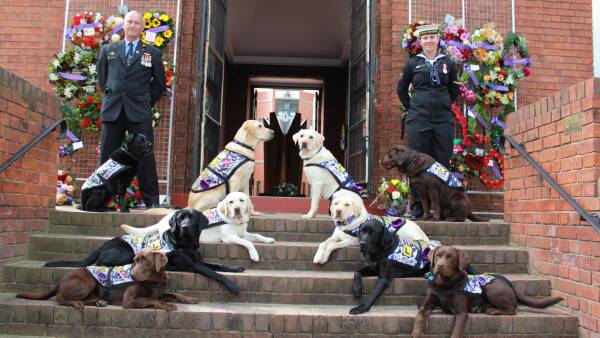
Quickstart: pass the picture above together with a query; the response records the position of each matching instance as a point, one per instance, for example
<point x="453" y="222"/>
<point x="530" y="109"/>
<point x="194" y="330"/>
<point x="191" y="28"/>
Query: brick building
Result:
<point x="327" y="46"/>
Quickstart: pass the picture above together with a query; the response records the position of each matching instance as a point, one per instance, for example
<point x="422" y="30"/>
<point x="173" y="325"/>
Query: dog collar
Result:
<point x="243" y="144"/>
<point x="315" y="154"/>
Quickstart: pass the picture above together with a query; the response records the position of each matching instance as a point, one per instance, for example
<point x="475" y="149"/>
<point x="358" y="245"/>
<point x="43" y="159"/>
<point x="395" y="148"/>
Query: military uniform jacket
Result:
<point x="428" y="102"/>
<point x="136" y="86"/>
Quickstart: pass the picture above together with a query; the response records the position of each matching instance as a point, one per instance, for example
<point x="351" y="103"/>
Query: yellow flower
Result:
<point x="486" y="78"/>
<point x="159" y="41"/>
<point x="155" y="22"/>
<point x="395" y="182"/>
<point x="147" y="16"/>
<point x="147" y="24"/>
<point x="164" y="17"/>
<point x="168" y="33"/>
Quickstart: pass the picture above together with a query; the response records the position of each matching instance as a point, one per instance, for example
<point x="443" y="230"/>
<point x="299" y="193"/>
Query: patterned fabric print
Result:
<point x="156" y="242"/>
<point x="445" y="175"/>
<point x="475" y="283"/>
<point x="103" y="173"/>
<point x="391" y="223"/>
<point x="219" y="170"/>
<point x="412" y="253"/>
<point x="340" y="174"/>
<point x="110" y="277"/>
<point x="213" y="217"/>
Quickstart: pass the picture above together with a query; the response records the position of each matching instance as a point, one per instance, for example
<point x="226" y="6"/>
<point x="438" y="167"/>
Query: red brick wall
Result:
<point x="560" y="245"/>
<point x="28" y="187"/>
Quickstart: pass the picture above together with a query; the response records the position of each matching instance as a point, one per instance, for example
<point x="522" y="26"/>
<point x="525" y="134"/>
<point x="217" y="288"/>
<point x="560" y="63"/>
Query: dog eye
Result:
<point x="230" y="202"/>
<point x="311" y="137"/>
<point x="347" y="204"/>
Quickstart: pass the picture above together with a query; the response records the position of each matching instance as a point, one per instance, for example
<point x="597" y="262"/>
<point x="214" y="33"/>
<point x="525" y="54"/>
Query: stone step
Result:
<point x="27" y="317"/>
<point x="275" y="256"/>
<point x="267" y="286"/>
<point x="282" y="227"/>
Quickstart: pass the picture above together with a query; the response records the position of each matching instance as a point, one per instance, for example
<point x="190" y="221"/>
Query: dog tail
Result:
<point x="153" y="229"/>
<point x="476" y="218"/>
<point x="89" y="260"/>
<point x="38" y="296"/>
<point x="538" y="303"/>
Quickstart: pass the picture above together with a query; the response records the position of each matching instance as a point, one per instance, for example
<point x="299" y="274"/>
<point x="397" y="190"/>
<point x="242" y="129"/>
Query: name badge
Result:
<point x="147" y="60"/>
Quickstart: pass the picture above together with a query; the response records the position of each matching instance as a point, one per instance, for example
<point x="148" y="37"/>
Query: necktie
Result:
<point x="129" y="51"/>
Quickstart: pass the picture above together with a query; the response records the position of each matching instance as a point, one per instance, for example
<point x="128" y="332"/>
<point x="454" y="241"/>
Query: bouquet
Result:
<point x="286" y="189"/>
<point x="158" y="29"/>
<point x="64" y="188"/>
<point x="410" y="42"/>
<point x="132" y="197"/>
<point x="393" y="195"/>
<point x="88" y="112"/>
<point x="88" y="30"/>
<point x="73" y="73"/>
<point x="455" y="41"/>
<point x="487" y="45"/>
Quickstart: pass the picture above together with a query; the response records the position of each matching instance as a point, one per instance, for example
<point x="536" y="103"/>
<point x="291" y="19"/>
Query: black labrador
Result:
<point x="180" y="243"/>
<point x="114" y="176"/>
<point x="388" y="257"/>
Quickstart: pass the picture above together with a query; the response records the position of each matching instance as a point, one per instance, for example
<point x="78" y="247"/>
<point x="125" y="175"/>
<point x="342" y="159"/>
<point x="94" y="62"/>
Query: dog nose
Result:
<point x="237" y="211"/>
<point x="338" y="213"/>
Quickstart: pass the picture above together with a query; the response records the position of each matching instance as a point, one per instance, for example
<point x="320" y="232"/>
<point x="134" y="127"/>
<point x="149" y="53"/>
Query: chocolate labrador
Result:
<point x="454" y="291"/>
<point x="439" y="189"/>
<point x="137" y="286"/>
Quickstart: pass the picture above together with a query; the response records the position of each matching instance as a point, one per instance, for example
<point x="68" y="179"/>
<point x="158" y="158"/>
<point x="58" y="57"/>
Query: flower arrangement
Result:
<point x="73" y="73"/>
<point x="286" y="189"/>
<point x="133" y="196"/>
<point x="410" y="42"/>
<point x="115" y="26"/>
<point x="170" y="76"/>
<point x="155" y="117"/>
<point x="487" y="45"/>
<point x="456" y="43"/>
<point x="393" y="195"/>
<point x="65" y="188"/>
<point x="518" y="58"/>
<point x="88" y="30"/>
<point x="158" y="29"/>
<point x="88" y="112"/>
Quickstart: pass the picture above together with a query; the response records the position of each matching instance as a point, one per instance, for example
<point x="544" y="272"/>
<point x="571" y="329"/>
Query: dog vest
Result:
<point x="107" y="170"/>
<point x="339" y="173"/>
<point x="391" y="223"/>
<point x="475" y="283"/>
<point x="213" y="218"/>
<point x="412" y="254"/>
<point x="112" y="276"/>
<point x="439" y="171"/>
<point x="156" y="242"/>
<point x="219" y="170"/>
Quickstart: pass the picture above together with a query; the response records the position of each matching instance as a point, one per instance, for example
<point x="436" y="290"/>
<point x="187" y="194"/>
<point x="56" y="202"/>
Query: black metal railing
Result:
<point x="62" y="124"/>
<point x="593" y="219"/>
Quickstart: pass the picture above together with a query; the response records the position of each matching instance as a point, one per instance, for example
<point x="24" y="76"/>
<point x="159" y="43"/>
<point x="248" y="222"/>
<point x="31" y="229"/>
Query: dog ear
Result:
<point x="295" y="137"/>
<point x="222" y="207"/>
<point x="250" y="206"/>
<point x="160" y="260"/>
<point x="173" y="221"/>
<point x="320" y="139"/>
<point x="249" y="128"/>
<point x="130" y="137"/>
<point x="357" y="208"/>
<point x="463" y="260"/>
<point x="431" y="257"/>
<point x="387" y="238"/>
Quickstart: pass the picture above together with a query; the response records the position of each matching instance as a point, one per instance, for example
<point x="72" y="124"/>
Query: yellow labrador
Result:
<point x="348" y="216"/>
<point x="230" y="171"/>
<point x="324" y="173"/>
<point x="228" y="223"/>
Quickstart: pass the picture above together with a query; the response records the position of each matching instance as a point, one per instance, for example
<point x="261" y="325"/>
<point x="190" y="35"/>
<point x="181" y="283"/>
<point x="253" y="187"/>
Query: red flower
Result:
<point x="136" y="183"/>
<point x="527" y="71"/>
<point x="76" y="20"/>
<point x="485" y="90"/>
<point x="138" y="195"/>
<point x="81" y="105"/>
<point x="99" y="124"/>
<point x="117" y="206"/>
<point x="169" y="72"/>
<point x="90" y="99"/>
<point x="99" y="106"/>
<point x="391" y="189"/>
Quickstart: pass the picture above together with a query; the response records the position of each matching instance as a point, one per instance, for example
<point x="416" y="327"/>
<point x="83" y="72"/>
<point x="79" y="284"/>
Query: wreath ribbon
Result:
<point x="158" y="29"/>
<point x="74" y="77"/>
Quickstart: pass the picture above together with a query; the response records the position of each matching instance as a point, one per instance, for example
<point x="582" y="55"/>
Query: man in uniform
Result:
<point x="131" y="76"/>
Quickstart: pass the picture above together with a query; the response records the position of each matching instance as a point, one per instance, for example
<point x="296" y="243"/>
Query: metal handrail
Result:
<point x="63" y="130"/>
<point x="593" y="219"/>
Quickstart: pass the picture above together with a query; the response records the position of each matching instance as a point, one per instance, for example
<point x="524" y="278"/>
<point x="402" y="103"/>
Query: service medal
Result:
<point x="146" y="60"/>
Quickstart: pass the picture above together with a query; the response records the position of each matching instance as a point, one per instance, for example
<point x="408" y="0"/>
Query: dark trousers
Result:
<point x="112" y="138"/>
<point x="434" y="139"/>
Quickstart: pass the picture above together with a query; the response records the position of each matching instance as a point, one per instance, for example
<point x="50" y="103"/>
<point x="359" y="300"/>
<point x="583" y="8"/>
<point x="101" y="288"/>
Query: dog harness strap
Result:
<point x="439" y="171"/>
<point x="213" y="218"/>
<point x="112" y="277"/>
<point x="474" y="284"/>
<point x="411" y="254"/>
<point x="339" y="173"/>
<point x="107" y="170"/>
<point x="156" y="242"/>
<point x="219" y="170"/>
<point x="243" y="145"/>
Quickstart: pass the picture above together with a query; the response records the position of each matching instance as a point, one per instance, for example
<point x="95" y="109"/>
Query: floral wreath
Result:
<point x="88" y="30"/>
<point x="116" y="32"/>
<point x="456" y="43"/>
<point x="88" y="112"/>
<point x="73" y="73"/>
<point x="158" y="29"/>
<point x="487" y="45"/>
<point x="492" y="157"/>
<point x="410" y="42"/>
<point x="519" y="57"/>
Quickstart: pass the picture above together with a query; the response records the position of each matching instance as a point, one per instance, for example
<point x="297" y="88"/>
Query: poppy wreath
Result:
<point x="88" y="112"/>
<point x="410" y="42"/>
<point x="158" y="29"/>
<point x="88" y="30"/>
<point x="494" y="160"/>
<point x="73" y="73"/>
<point x="520" y="57"/>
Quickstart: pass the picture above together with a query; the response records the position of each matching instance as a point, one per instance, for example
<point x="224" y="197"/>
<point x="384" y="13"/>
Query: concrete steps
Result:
<point x="283" y="295"/>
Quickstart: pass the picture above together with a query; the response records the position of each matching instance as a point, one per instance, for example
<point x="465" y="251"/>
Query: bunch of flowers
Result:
<point x="393" y="195"/>
<point x="88" y="30"/>
<point x="286" y="189"/>
<point x="410" y="42"/>
<point x="133" y="196"/>
<point x="519" y="60"/>
<point x="158" y="29"/>
<point x="456" y="43"/>
<point x="73" y="73"/>
<point x="114" y="25"/>
<point x="64" y="188"/>
<point x="170" y="75"/>
<point x="487" y="45"/>
<point x="155" y="117"/>
<point x="88" y="112"/>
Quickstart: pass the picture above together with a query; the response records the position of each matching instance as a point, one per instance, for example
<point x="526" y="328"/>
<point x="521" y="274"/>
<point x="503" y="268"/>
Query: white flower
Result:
<point x="92" y="69"/>
<point x="67" y="93"/>
<point x="53" y="77"/>
<point x="115" y="38"/>
<point x="153" y="124"/>
<point x="395" y="195"/>
<point x="55" y="63"/>
<point x="156" y="115"/>
<point x="89" y="89"/>
<point x="77" y="57"/>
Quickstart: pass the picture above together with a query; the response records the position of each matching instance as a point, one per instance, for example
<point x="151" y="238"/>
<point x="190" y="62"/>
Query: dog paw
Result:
<point x="101" y="303"/>
<point x="237" y="269"/>
<point x="359" y="309"/>
<point x="309" y="215"/>
<point x="357" y="292"/>
<point x="254" y="256"/>
<point x="268" y="240"/>
<point x="169" y="307"/>
<point x="78" y="305"/>
<point x="232" y="287"/>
